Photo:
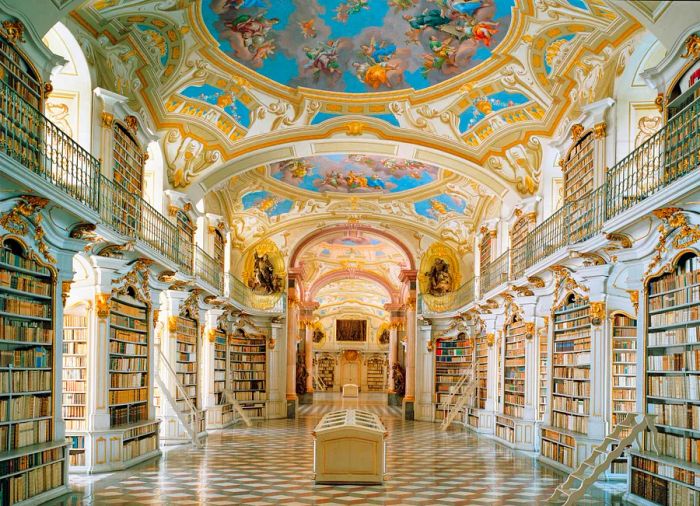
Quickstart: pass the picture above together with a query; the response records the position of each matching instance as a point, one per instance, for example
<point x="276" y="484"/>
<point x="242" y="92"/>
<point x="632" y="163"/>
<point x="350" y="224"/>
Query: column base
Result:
<point x="291" y="408"/>
<point x="394" y="399"/>
<point x="408" y="410"/>
<point x="306" y="398"/>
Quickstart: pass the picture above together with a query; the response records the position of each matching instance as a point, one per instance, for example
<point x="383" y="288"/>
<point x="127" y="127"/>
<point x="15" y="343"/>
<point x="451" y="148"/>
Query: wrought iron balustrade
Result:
<point x="208" y="269"/>
<point x="495" y="273"/>
<point x="30" y="138"/>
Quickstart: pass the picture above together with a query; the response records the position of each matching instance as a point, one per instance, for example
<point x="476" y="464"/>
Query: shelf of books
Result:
<point x="186" y="367"/>
<point x="221" y="414"/>
<point x="453" y="358"/>
<point x="248" y="369"/>
<point x="326" y="371"/>
<point x="672" y="379"/>
<point x="375" y="375"/>
<point x="624" y="377"/>
<point x="75" y="342"/>
<point x="473" y="418"/>
<point x="510" y="425"/>
<point x="563" y="441"/>
<point x="33" y="465"/>
<point x="543" y="373"/>
<point x="130" y="379"/>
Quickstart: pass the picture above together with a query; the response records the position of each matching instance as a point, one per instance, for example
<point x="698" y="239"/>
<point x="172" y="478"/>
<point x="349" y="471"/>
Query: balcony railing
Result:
<point x="208" y="269"/>
<point x="243" y="294"/>
<point x="495" y="273"/>
<point x="31" y="139"/>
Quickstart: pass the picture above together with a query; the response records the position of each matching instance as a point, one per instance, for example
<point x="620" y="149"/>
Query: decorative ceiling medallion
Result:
<point x="358" y="46"/>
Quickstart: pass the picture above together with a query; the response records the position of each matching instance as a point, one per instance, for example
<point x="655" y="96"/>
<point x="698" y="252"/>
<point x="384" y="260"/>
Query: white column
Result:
<point x="424" y="373"/>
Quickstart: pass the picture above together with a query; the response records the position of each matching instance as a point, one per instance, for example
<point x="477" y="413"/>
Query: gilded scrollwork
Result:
<point x="673" y="220"/>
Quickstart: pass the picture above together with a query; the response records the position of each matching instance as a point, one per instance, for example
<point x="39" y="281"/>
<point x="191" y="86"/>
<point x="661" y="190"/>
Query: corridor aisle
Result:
<point x="270" y="463"/>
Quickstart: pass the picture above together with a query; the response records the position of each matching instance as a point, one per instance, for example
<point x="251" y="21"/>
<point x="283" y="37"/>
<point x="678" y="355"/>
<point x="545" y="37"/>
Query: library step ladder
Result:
<point x="320" y="384"/>
<point x="465" y="387"/>
<point x="196" y="422"/>
<point x="231" y="399"/>
<point x="623" y="436"/>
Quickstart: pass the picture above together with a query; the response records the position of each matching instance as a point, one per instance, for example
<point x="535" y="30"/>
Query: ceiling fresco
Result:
<point x="352" y="295"/>
<point x="354" y="174"/>
<point x="358" y="45"/>
<point x="268" y="203"/>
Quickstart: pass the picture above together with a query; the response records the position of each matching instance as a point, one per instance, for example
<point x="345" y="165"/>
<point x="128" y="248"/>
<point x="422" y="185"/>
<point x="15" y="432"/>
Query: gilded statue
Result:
<point x="264" y="279"/>
<point x="439" y="278"/>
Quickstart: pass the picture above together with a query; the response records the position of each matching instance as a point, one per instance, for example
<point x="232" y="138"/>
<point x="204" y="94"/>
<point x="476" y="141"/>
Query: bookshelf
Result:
<point x="375" y="374"/>
<point x="482" y="366"/>
<point x="513" y="382"/>
<point x="543" y="373"/>
<point x="579" y="174"/>
<point x="221" y="414"/>
<point x="248" y="369"/>
<point x="326" y="371"/>
<point x="624" y="375"/>
<point x="32" y="464"/>
<point x="75" y="343"/>
<point x="453" y="358"/>
<point x="128" y="360"/>
<point x="565" y="442"/>
<point x="19" y="75"/>
<point x="186" y="362"/>
<point x="671" y="378"/>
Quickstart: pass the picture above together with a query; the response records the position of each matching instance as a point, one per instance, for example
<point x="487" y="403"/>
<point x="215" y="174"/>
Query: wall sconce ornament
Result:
<point x="597" y="312"/>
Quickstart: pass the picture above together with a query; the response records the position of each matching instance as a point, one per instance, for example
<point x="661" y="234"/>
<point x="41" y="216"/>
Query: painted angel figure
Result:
<point x="323" y="58"/>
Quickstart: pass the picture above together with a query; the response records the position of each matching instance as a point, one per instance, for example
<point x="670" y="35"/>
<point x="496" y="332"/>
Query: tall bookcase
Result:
<point x="543" y="373"/>
<point x="221" y="414"/>
<point x="248" y="369"/>
<point x="672" y="372"/>
<point x="570" y="383"/>
<point x="32" y="462"/>
<point x="75" y="350"/>
<point x="514" y="381"/>
<point x="482" y="369"/>
<point x="375" y="374"/>
<point x="453" y="358"/>
<point x="579" y="180"/>
<point x="186" y="364"/>
<point x="326" y="370"/>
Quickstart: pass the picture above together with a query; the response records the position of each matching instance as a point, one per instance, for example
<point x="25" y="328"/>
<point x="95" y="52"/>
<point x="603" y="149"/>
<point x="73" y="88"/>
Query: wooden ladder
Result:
<point x="320" y="384"/>
<point x="464" y="388"/>
<point x="231" y="399"/>
<point x="623" y="436"/>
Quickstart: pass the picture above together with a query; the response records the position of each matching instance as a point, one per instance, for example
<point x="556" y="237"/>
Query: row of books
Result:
<point x="24" y="407"/>
<point x="444" y="345"/>
<point x="686" y="275"/>
<point x="571" y="335"/>
<point x="11" y="466"/>
<point x="233" y="341"/>
<point x="661" y="491"/>
<point x="74" y="347"/>
<point x="677" y="447"/>
<point x="129" y="310"/>
<point x="25" y="381"/>
<point x="564" y="316"/>
<point x="625" y="394"/>
<point x="571" y="372"/>
<point x="675" y="387"/>
<point x="571" y="359"/>
<point x="234" y="357"/>
<point x="34" y="482"/>
<point x="687" y="360"/>
<point x="122" y="415"/>
<point x="681" y="335"/>
<point x="25" y="331"/>
<point x="128" y="322"/>
<point x="582" y="344"/>
<point x="73" y="412"/>
<point x="678" y="415"/>
<point x="514" y="410"/>
<point x="137" y="447"/>
<point x="16" y="304"/>
<point x="127" y="364"/>
<point x="73" y="320"/>
<point x="620" y="369"/>
<point x="673" y="299"/>
<point x="74" y="362"/>
<point x="558" y="453"/>
<point x="128" y="348"/>
<point x="685" y="315"/>
<point x="260" y="375"/>
<point x="624" y="356"/>
<point x="24" y="283"/>
<point x="134" y="380"/>
<point x="131" y="337"/>
<point x="30" y="433"/>
<point x="250" y="396"/>
<point x="563" y="326"/>
<point x="569" y="405"/>
<point x="9" y="258"/>
<point x="505" y="432"/>
<point x="516" y="398"/>
<point x="74" y="385"/>
<point x="248" y="349"/>
<point x="567" y="387"/>
<point x="189" y="389"/>
<point x="570" y="422"/>
<point x="127" y="396"/>
<point x="187" y="378"/>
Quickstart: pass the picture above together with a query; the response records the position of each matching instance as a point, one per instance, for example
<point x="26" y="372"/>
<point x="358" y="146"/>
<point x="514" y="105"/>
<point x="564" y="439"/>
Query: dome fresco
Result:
<point x="354" y="173"/>
<point x="358" y="45"/>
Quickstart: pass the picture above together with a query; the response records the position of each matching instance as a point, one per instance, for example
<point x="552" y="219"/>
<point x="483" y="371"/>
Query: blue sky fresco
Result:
<point x="358" y="45"/>
<point x="216" y="96"/>
<point x="270" y="204"/>
<point x="498" y="101"/>
<point x="354" y="173"/>
<point x="440" y="206"/>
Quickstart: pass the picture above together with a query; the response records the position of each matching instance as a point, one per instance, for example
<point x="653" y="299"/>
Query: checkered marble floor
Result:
<point x="270" y="463"/>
